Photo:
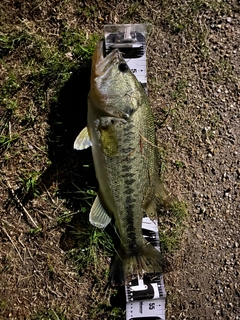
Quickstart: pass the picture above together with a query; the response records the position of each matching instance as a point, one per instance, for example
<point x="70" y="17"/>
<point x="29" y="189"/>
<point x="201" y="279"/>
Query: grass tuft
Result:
<point x="172" y="226"/>
<point x="30" y="183"/>
<point x="91" y="244"/>
<point x="48" y="315"/>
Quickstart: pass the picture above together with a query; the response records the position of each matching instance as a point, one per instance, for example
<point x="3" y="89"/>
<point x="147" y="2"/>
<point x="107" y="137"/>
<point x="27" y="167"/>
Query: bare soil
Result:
<point x="193" y="82"/>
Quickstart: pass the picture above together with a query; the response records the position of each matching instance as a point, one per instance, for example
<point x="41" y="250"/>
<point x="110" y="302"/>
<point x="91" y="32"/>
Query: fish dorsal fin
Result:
<point x="98" y="216"/>
<point x="83" y="140"/>
<point x="162" y="196"/>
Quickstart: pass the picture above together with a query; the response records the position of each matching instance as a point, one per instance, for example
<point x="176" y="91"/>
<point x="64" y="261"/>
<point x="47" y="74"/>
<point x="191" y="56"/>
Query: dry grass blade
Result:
<point x="28" y="216"/>
<point x="13" y="244"/>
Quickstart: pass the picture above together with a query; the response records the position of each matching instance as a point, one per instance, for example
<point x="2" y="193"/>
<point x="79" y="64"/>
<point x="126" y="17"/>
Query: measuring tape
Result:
<point x="145" y="298"/>
<point x="130" y="39"/>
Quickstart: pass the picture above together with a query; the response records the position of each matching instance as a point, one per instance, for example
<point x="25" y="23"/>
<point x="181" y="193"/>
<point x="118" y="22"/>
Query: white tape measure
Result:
<point x="130" y="39"/>
<point x="145" y="298"/>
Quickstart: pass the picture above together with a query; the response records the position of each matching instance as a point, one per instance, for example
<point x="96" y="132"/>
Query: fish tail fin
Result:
<point x="127" y="266"/>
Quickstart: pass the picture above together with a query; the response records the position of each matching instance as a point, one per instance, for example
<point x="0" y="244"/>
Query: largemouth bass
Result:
<point x="121" y="132"/>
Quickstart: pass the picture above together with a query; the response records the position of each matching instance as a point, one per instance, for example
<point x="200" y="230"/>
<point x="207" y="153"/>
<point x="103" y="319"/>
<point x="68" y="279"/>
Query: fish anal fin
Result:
<point x="83" y="140"/>
<point x="98" y="216"/>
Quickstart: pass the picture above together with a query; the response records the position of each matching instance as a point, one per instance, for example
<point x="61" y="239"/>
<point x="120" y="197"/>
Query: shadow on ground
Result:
<point x="69" y="168"/>
<point x="72" y="172"/>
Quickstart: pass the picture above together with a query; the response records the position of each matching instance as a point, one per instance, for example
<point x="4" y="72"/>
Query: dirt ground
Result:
<point x="53" y="264"/>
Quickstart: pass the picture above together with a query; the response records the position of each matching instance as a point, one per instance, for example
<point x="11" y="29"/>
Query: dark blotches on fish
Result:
<point x="129" y="181"/>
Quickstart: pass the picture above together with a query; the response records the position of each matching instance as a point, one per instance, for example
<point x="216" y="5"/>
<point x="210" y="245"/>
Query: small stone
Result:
<point x="202" y="210"/>
<point x="69" y="55"/>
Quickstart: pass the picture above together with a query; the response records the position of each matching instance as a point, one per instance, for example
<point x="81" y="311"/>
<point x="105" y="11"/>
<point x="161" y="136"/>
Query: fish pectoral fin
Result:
<point x="83" y="140"/>
<point x="98" y="216"/>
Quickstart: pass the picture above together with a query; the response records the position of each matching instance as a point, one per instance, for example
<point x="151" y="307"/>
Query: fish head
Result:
<point x="114" y="88"/>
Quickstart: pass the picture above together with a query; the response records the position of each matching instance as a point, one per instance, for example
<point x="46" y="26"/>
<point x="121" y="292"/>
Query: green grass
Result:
<point x="48" y="315"/>
<point x="2" y="305"/>
<point x="172" y="226"/>
<point x="85" y="198"/>
<point x="35" y="231"/>
<point x="88" y="11"/>
<point x="104" y="309"/>
<point x="30" y="183"/>
<point x="45" y="64"/>
<point x="179" y="164"/>
<point x="91" y="244"/>
<point x="7" y="141"/>
<point x="36" y="70"/>
<point x="178" y="94"/>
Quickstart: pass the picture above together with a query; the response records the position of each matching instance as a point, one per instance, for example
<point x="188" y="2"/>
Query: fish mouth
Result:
<point x="100" y="64"/>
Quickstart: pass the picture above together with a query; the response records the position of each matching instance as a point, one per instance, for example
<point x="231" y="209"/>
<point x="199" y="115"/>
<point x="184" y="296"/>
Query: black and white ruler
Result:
<point x="130" y="39"/>
<point x="145" y="298"/>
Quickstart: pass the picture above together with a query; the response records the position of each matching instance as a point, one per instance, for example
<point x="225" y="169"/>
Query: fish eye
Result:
<point x="123" y="67"/>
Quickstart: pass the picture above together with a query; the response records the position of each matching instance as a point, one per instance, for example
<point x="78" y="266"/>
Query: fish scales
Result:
<point x="128" y="179"/>
<point x="122" y="135"/>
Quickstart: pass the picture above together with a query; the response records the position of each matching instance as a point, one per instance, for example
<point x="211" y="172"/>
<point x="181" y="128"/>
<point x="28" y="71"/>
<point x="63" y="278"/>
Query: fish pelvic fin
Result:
<point x="83" y="140"/>
<point x="98" y="217"/>
<point x="126" y="267"/>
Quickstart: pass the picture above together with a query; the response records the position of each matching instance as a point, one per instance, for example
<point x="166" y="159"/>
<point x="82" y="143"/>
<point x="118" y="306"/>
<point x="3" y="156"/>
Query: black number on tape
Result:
<point x="151" y="306"/>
